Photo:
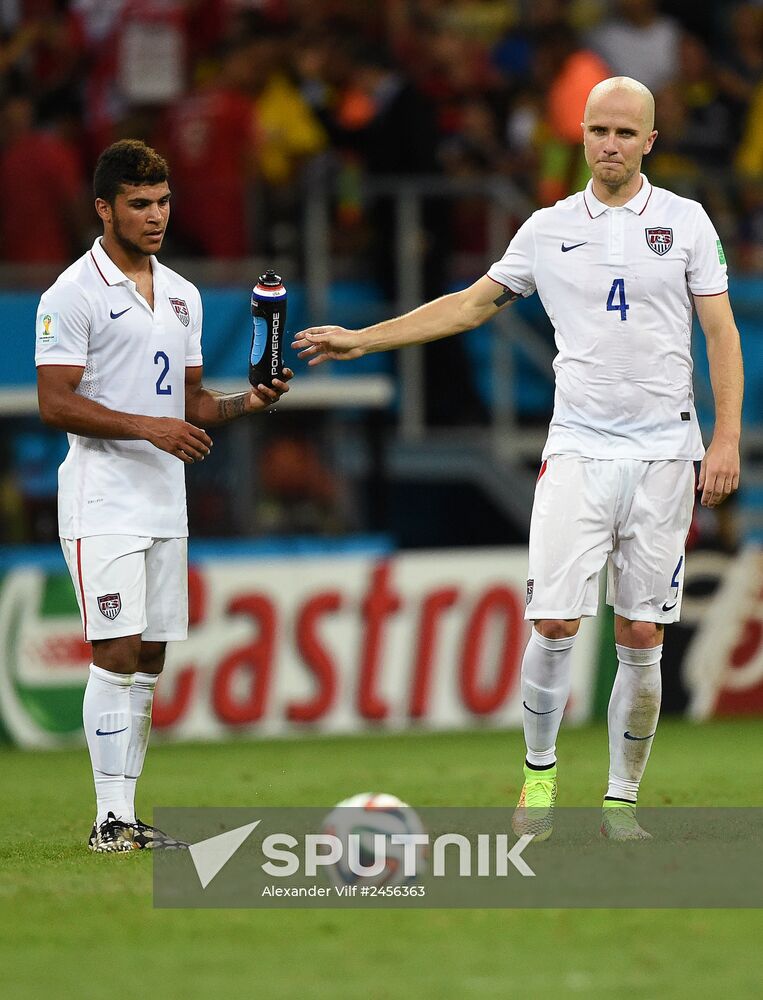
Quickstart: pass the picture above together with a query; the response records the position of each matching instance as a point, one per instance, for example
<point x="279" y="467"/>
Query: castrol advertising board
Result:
<point x="299" y="644"/>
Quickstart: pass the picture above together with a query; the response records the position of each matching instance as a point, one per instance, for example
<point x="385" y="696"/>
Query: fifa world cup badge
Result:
<point x="47" y="330"/>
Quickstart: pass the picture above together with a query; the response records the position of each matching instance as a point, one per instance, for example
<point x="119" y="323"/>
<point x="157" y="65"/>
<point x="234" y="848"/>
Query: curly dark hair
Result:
<point x="128" y="161"/>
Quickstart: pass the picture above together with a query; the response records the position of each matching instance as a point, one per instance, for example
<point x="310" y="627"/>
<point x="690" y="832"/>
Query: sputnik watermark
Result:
<point x="394" y="856"/>
<point x="212" y="854"/>
<point x="494" y="855"/>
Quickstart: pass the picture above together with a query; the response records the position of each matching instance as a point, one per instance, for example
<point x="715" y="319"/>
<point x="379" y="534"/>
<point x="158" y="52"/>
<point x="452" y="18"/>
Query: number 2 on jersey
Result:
<point x="161" y="358"/>
<point x="621" y="306"/>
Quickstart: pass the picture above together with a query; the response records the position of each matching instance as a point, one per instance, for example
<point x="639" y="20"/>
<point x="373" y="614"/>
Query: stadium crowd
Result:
<point x="250" y="98"/>
<point x="253" y="100"/>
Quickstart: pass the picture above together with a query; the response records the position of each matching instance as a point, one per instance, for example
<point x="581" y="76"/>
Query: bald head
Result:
<point x="618" y="131"/>
<point x="627" y="95"/>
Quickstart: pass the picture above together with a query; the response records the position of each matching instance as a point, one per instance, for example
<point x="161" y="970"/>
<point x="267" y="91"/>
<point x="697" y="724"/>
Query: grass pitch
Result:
<point x="74" y="925"/>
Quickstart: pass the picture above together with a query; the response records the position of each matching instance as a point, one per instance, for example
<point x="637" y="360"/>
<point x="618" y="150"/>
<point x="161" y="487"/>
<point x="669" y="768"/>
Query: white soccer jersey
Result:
<point x="134" y="360"/>
<point x="617" y="284"/>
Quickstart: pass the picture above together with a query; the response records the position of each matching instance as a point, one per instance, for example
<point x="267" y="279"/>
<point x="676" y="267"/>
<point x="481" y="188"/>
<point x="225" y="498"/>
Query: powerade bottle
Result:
<point x="268" y="326"/>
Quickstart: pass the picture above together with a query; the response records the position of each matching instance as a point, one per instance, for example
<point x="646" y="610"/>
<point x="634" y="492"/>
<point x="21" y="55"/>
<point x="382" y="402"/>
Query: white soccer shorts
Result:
<point x="130" y="585"/>
<point x="634" y="516"/>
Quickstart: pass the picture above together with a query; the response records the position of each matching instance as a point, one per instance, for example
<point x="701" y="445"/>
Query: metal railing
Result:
<point x="506" y="206"/>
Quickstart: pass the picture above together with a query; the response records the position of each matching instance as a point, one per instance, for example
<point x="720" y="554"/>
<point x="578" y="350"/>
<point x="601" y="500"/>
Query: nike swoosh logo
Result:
<point x="566" y="249"/>
<point x="117" y="315"/>
<point x="628" y="736"/>
<point x="109" y="732"/>
<point x="538" y="713"/>
<point x="669" y="607"/>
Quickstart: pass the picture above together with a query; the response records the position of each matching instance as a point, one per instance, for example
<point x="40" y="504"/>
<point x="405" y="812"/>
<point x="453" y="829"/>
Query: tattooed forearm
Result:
<point x="231" y="407"/>
<point x="506" y="296"/>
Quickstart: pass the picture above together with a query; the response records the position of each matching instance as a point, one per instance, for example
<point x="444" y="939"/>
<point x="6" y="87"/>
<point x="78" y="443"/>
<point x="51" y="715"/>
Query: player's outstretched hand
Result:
<point x="719" y="472"/>
<point x="179" y="438"/>
<point x="262" y="396"/>
<point x="327" y="343"/>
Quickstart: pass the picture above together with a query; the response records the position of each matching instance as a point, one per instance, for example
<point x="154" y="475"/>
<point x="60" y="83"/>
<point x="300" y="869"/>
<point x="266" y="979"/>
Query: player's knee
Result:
<point x="151" y="657"/>
<point x="557" y="628"/>
<point x="120" y="655"/>
<point x="641" y="635"/>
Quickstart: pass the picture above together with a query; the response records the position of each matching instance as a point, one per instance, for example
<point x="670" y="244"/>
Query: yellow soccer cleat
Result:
<point x="535" y="810"/>
<point x="618" y="822"/>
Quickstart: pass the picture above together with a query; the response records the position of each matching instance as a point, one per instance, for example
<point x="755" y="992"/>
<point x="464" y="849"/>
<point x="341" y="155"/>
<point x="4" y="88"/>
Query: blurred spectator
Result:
<point x="449" y="67"/>
<point x="397" y="137"/>
<point x="138" y="54"/>
<point x="523" y="132"/>
<point x="44" y="214"/>
<point x="15" y="49"/>
<point x="515" y="53"/>
<point x="323" y="66"/>
<point x="475" y="148"/>
<point x="152" y="51"/>
<point x="46" y="54"/>
<point x="571" y="71"/>
<point x="639" y="42"/>
<point x="670" y="162"/>
<point x="474" y="151"/>
<point x="709" y="132"/>
<point x="320" y="67"/>
<point x="485" y="20"/>
<point x="750" y="152"/>
<point x="390" y="125"/>
<point x="290" y="134"/>
<point x="98" y="23"/>
<point x="740" y="69"/>
<point x="578" y="70"/>
<point x="289" y="131"/>
<point x="749" y="235"/>
<point x="749" y="163"/>
<point x="211" y="140"/>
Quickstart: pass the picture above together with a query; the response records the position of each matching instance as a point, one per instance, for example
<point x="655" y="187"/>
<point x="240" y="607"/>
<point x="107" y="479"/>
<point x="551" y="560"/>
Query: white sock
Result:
<point x="634" y="708"/>
<point x="106" y="718"/>
<point x="141" y="699"/>
<point x="545" y="688"/>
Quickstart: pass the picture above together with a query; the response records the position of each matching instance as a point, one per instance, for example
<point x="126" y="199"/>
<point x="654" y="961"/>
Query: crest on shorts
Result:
<point x="530" y="588"/>
<point x="659" y="240"/>
<point x="110" y="605"/>
<point x="181" y="310"/>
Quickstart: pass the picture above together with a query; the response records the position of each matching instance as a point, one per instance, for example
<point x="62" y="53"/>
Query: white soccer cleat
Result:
<point x="111" y="837"/>
<point x="151" y="838"/>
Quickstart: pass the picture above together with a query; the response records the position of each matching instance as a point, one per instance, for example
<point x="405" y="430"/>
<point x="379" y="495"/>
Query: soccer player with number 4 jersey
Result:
<point x="619" y="268"/>
<point x="119" y="368"/>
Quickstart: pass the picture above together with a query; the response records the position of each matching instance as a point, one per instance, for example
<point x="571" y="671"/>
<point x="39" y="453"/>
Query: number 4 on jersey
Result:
<point x="621" y="306"/>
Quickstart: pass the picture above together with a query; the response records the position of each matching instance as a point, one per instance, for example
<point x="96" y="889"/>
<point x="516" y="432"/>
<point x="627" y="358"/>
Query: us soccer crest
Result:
<point x="659" y="240"/>
<point x="530" y="588"/>
<point x="181" y="310"/>
<point x="110" y="605"/>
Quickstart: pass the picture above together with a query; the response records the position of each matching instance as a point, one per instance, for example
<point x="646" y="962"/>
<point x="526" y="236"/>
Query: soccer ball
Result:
<point x="365" y="816"/>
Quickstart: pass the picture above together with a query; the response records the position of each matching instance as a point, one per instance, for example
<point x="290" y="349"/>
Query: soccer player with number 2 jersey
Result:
<point x="119" y="368"/>
<point x="619" y="268"/>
